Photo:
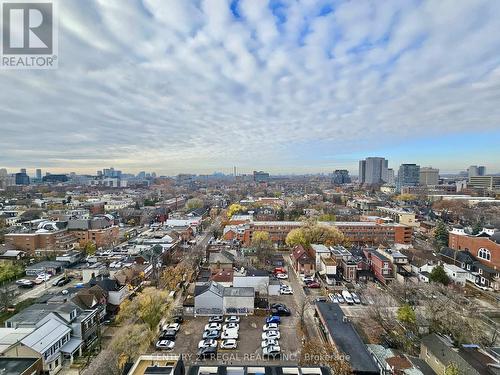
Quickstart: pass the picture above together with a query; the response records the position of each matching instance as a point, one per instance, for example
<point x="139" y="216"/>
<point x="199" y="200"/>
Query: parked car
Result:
<point x="307" y="279"/>
<point x="286" y="291"/>
<point x="64" y="281"/>
<point x="321" y="299"/>
<point x="205" y="353"/>
<point x="207" y="343"/>
<point x="269" y="342"/>
<point x="282" y="276"/>
<point x="165" y="344"/>
<point x="279" y="270"/>
<point x="347" y="297"/>
<point x="313" y="285"/>
<point x="281" y="311"/>
<point x="273" y="319"/>
<point x="340" y="299"/>
<point x="214" y="334"/>
<point x="333" y="298"/>
<point x="271" y="351"/>
<point x="228" y="344"/>
<point x="355" y="298"/>
<point x="270" y="327"/>
<point x="25" y="283"/>
<point x="277" y="305"/>
<point x="169" y="334"/>
<point x="230" y="326"/>
<point x="213" y="327"/>
<point x="230" y="334"/>
<point x="41" y="278"/>
<point x="177" y="319"/>
<point x="172" y="326"/>
<point x="232" y="319"/>
<point x="216" y="319"/>
<point x="271" y="335"/>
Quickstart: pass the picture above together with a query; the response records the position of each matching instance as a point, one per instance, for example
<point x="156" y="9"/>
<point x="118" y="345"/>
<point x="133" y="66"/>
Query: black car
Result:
<point x="168" y="334"/>
<point x="207" y="353"/>
<point x="278" y="305"/>
<point x="64" y="281"/>
<point x="281" y="311"/>
<point x="177" y="319"/>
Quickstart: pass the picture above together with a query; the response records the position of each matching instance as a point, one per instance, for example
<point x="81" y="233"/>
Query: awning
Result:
<point x="72" y="346"/>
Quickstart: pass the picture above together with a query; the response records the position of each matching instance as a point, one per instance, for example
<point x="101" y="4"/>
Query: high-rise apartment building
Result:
<point x="408" y="175"/>
<point x="474" y="170"/>
<point x="429" y="176"/>
<point x="373" y="171"/>
<point x="38" y="174"/>
<point x="260" y="176"/>
<point x="341" y="176"/>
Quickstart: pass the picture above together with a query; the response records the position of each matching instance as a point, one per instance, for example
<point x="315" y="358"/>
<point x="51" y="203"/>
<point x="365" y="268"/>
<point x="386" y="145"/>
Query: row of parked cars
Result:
<point x="219" y="328"/>
<point x="166" y="340"/>
<point x="270" y="337"/>
<point x="345" y="297"/>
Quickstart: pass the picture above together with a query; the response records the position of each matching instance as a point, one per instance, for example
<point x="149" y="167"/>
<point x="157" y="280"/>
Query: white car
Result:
<point x="213" y="327"/>
<point x="232" y="319"/>
<point x="22" y="281"/>
<point x="216" y="319"/>
<point x="269" y="342"/>
<point x="172" y="326"/>
<point x="282" y="276"/>
<point x="271" y="351"/>
<point x="307" y="279"/>
<point x="333" y="298"/>
<point x="270" y="327"/>
<point x="208" y="343"/>
<point x="228" y="344"/>
<point x="230" y="326"/>
<point x="230" y="334"/>
<point x="286" y="291"/>
<point x="165" y="344"/>
<point x="355" y="298"/>
<point x="271" y="335"/>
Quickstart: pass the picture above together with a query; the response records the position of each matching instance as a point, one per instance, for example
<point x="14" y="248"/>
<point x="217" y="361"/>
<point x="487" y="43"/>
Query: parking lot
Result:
<point x="249" y="342"/>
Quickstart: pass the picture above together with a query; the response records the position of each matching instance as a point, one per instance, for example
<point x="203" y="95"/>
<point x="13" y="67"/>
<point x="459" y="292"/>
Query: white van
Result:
<point x="348" y="298"/>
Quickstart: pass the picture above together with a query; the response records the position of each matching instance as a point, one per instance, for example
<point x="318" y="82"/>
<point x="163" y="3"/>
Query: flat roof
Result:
<point x="346" y="338"/>
<point x="16" y="366"/>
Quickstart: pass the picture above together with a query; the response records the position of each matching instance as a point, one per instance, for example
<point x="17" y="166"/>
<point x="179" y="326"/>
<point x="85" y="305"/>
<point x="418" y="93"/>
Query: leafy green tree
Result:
<point x="9" y="271"/>
<point x="406" y="315"/>
<point x="438" y="275"/>
<point x="441" y="234"/>
<point x="452" y="369"/>
<point x="477" y="227"/>
<point x="194" y="203"/>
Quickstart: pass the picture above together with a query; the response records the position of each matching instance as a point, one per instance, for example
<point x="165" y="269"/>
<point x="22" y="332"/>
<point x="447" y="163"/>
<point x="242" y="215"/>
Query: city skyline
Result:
<point x="301" y="88"/>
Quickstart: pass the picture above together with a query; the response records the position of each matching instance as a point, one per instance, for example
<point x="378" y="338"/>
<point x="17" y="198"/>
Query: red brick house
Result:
<point x="302" y="261"/>
<point x="380" y="265"/>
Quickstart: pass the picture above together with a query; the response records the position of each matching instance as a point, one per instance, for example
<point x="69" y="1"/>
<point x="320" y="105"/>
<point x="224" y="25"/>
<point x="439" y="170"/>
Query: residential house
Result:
<point x="380" y="265"/>
<point x="319" y="252"/>
<point x="21" y="366"/>
<point x="302" y="261"/>
<point x="116" y="292"/>
<point x="222" y="260"/>
<point x="438" y="352"/>
<point x="214" y="299"/>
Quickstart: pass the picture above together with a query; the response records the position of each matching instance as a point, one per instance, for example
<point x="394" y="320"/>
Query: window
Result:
<point x="484" y="254"/>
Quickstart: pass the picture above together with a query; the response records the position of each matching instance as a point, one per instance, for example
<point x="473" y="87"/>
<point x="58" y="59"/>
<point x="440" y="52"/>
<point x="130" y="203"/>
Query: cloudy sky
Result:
<point x="285" y="86"/>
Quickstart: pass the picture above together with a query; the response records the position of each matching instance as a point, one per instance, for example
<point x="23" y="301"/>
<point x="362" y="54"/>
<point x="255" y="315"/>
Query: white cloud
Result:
<point x="186" y="85"/>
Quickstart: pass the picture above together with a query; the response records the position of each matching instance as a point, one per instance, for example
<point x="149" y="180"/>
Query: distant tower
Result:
<point x="38" y="174"/>
<point x="234" y="172"/>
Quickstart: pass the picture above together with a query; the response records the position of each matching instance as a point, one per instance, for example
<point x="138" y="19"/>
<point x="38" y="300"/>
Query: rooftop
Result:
<point x="346" y="338"/>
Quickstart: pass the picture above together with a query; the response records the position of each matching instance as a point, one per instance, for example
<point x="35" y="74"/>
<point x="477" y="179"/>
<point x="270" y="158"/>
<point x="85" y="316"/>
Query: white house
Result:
<point x="456" y="274"/>
<point x="214" y="299"/>
<point x="320" y="251"/>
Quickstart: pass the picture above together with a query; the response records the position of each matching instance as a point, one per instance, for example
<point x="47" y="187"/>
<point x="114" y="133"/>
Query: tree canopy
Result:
<point x="438" y="275"/>
<point x="234" y="209"/>
<point x="406" y="315"/>
<point x="194" y="203"/>
<point x="441" y="234"/>
<point x="315" y="234"/>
